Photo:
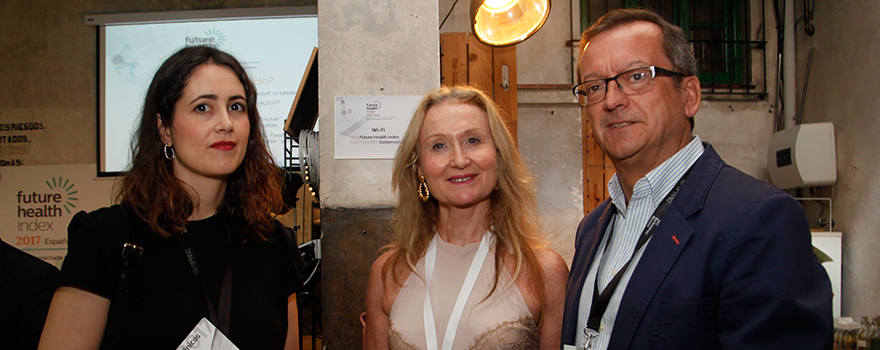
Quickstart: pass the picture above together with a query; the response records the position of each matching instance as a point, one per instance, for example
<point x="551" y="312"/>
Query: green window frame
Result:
<point x="718" y="29"/>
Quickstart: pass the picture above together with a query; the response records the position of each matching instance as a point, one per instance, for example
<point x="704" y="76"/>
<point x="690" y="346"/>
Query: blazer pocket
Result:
<point x="685" y="326"/>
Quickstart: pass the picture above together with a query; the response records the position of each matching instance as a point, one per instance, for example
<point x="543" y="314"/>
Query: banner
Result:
<point x="37" y="203"/>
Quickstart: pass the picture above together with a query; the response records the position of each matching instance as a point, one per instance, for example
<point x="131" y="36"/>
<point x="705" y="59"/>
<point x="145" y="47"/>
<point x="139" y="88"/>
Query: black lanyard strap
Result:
<point x="601" y="300"/>
<point x="221" y="319"/>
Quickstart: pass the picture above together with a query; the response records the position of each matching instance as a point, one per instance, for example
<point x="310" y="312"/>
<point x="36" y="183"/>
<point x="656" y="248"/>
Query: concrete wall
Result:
<point x="843" y="84"/>
<point x="370" y="47"/>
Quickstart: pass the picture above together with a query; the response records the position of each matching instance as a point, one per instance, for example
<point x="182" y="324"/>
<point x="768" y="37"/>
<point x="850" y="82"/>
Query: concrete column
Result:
<point x="367" y="47"/>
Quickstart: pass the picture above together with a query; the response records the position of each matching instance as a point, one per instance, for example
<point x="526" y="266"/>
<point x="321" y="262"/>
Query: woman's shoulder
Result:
<point x="93" y="250"/>
<point x="398" y="270"/>
<point x="551" y="262"/>
<point x="379" y="264"/>
<point x="98" y="220"/>
<point x="284" y="237"/>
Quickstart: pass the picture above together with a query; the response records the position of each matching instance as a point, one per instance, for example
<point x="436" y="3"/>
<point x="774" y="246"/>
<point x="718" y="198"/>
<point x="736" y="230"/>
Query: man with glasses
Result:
<point x="689" y="253"/>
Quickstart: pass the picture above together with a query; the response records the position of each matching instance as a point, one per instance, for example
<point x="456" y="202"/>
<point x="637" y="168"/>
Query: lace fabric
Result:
<point x="519" y="334"/>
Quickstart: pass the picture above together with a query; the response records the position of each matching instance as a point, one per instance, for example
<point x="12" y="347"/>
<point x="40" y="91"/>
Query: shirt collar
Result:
<point x="659" y="181"/>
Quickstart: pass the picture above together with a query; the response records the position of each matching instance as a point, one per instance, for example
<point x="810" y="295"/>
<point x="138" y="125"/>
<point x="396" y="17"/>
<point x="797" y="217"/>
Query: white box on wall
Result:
<point x="803" y="156"/>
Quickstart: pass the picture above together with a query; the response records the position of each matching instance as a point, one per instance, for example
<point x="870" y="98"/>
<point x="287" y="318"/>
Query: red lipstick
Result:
<point x="224" y="145"/>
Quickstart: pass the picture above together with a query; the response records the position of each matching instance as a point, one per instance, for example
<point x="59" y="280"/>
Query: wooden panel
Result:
<point x="505" y="92"/>
<point x="597" y="170"/>
<point x="453" y="58"/>
<point x="609" y="172"/>
<point x="480" y="65"/>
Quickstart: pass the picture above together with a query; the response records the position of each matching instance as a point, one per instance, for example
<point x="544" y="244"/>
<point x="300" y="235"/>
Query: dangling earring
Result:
<point x="165" y="150"/>
<point x="424" y="194"/>
<point x="496" y="188"/>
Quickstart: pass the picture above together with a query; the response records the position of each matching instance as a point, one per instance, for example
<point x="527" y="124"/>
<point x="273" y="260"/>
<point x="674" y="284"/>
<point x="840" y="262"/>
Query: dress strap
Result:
<point x="463" y="295"/>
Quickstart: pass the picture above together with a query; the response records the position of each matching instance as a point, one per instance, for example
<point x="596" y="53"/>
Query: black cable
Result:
<point x="447" y="14"/>
<point x="800" y="113"/>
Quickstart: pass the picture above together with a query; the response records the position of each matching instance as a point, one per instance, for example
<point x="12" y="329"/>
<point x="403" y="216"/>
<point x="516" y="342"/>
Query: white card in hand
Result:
<point x="206" y="337"/>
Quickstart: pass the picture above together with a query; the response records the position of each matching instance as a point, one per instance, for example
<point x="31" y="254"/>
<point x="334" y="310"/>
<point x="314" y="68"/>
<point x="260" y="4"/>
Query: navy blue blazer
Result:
<point x="731" y="266"/>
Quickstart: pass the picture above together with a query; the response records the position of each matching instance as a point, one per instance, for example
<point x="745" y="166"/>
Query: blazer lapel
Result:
<point x="660" y="255"/>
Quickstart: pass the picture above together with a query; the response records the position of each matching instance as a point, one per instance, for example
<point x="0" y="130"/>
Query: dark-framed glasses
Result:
<point x="632" y="82"/>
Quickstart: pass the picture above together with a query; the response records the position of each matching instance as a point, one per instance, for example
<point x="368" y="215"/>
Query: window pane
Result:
<point x="719" y="32"/>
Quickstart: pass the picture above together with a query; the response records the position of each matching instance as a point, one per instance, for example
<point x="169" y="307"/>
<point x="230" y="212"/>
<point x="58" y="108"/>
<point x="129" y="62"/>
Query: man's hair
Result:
<point x="675" y="44"/>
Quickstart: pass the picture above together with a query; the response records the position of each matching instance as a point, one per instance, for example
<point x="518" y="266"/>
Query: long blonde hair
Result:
<point x="513" y="208"/>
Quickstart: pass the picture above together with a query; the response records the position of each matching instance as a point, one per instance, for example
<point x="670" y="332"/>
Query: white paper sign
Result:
<point x="206" y="336"/>
<point x="371" y="127"/>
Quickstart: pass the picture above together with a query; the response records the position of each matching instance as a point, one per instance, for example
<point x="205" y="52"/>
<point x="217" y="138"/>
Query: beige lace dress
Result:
<point x="503" y="321"/>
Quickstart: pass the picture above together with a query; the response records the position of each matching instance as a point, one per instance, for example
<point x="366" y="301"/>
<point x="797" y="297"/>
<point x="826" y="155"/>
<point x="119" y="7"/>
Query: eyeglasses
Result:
<point x="632" y="82"/>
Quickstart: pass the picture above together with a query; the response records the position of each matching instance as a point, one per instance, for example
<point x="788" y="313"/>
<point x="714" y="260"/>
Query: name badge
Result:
<point x="205" y="336"/>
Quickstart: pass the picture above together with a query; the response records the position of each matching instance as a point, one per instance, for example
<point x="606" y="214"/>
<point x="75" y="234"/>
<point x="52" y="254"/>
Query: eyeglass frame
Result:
<point x="655" y="71"/>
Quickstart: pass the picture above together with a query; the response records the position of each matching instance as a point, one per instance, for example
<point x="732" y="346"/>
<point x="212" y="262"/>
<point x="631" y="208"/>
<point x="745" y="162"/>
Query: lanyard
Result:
<point x="600" y="301"/>
<point x="221" y="320"/>
<point x="466" y="289"/>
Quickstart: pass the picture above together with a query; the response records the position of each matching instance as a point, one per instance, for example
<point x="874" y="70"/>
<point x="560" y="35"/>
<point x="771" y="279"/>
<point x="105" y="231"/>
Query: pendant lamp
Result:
<point x="507" y="22"/>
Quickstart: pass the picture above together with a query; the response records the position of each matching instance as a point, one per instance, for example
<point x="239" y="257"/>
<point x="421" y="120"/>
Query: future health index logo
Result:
<point x="54" y="201"/>
<point x="212" y="37"/>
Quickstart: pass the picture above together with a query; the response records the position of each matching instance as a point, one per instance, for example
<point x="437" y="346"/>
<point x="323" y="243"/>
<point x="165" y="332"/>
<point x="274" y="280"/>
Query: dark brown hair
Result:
<point x="675" y="43"/>
<point x="149" y="187"/>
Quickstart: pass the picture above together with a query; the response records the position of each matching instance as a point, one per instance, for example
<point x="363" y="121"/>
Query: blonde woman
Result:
<point x="466" y="269"/>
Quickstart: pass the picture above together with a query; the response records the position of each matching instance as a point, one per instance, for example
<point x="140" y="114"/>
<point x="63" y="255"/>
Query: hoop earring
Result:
<point x="424" y="193"/>
<point x="165" y="151"/>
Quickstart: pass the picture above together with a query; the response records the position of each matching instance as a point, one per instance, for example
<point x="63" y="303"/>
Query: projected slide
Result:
<point x="275" y="52"/>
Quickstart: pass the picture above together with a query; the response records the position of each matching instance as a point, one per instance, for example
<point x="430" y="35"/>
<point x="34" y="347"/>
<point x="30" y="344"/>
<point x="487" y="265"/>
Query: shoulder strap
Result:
<point x="287" y="237"/>
<point x="286" y="234"/>
<point x="131" y="258"/>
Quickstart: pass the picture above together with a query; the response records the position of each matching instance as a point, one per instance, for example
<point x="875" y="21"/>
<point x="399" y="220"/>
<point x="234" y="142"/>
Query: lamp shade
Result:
<point x="507" y="22"/>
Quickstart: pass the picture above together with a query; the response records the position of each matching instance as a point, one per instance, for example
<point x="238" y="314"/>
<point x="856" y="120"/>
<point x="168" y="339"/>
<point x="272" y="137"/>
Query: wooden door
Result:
<point x="466" y="60"/>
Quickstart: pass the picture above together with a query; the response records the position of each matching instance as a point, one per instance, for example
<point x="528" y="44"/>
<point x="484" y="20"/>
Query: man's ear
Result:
<point x="694" y="95"/>
<point x="164" y="131"/>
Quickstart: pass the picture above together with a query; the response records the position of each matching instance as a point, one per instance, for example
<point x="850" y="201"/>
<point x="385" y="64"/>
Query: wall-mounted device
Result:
<point x="803" y="156"/>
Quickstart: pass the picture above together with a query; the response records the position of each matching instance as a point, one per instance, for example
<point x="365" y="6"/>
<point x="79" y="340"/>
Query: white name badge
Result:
<point x="206" y="336"/>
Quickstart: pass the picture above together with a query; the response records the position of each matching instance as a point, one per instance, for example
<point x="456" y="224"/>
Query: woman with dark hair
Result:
<point x="466" y="268"/>
<point x="195" y="212"/>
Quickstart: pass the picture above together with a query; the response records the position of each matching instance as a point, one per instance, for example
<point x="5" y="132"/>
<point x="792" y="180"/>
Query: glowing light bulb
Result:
<point x="496" y="6"/>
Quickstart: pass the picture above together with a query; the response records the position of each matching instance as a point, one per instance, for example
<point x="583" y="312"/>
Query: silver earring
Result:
<point x="167" y="155"/>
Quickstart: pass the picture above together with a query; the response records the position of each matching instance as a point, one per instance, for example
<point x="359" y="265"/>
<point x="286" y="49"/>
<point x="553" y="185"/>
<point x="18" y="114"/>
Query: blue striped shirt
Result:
<point x="628" y="223"/>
